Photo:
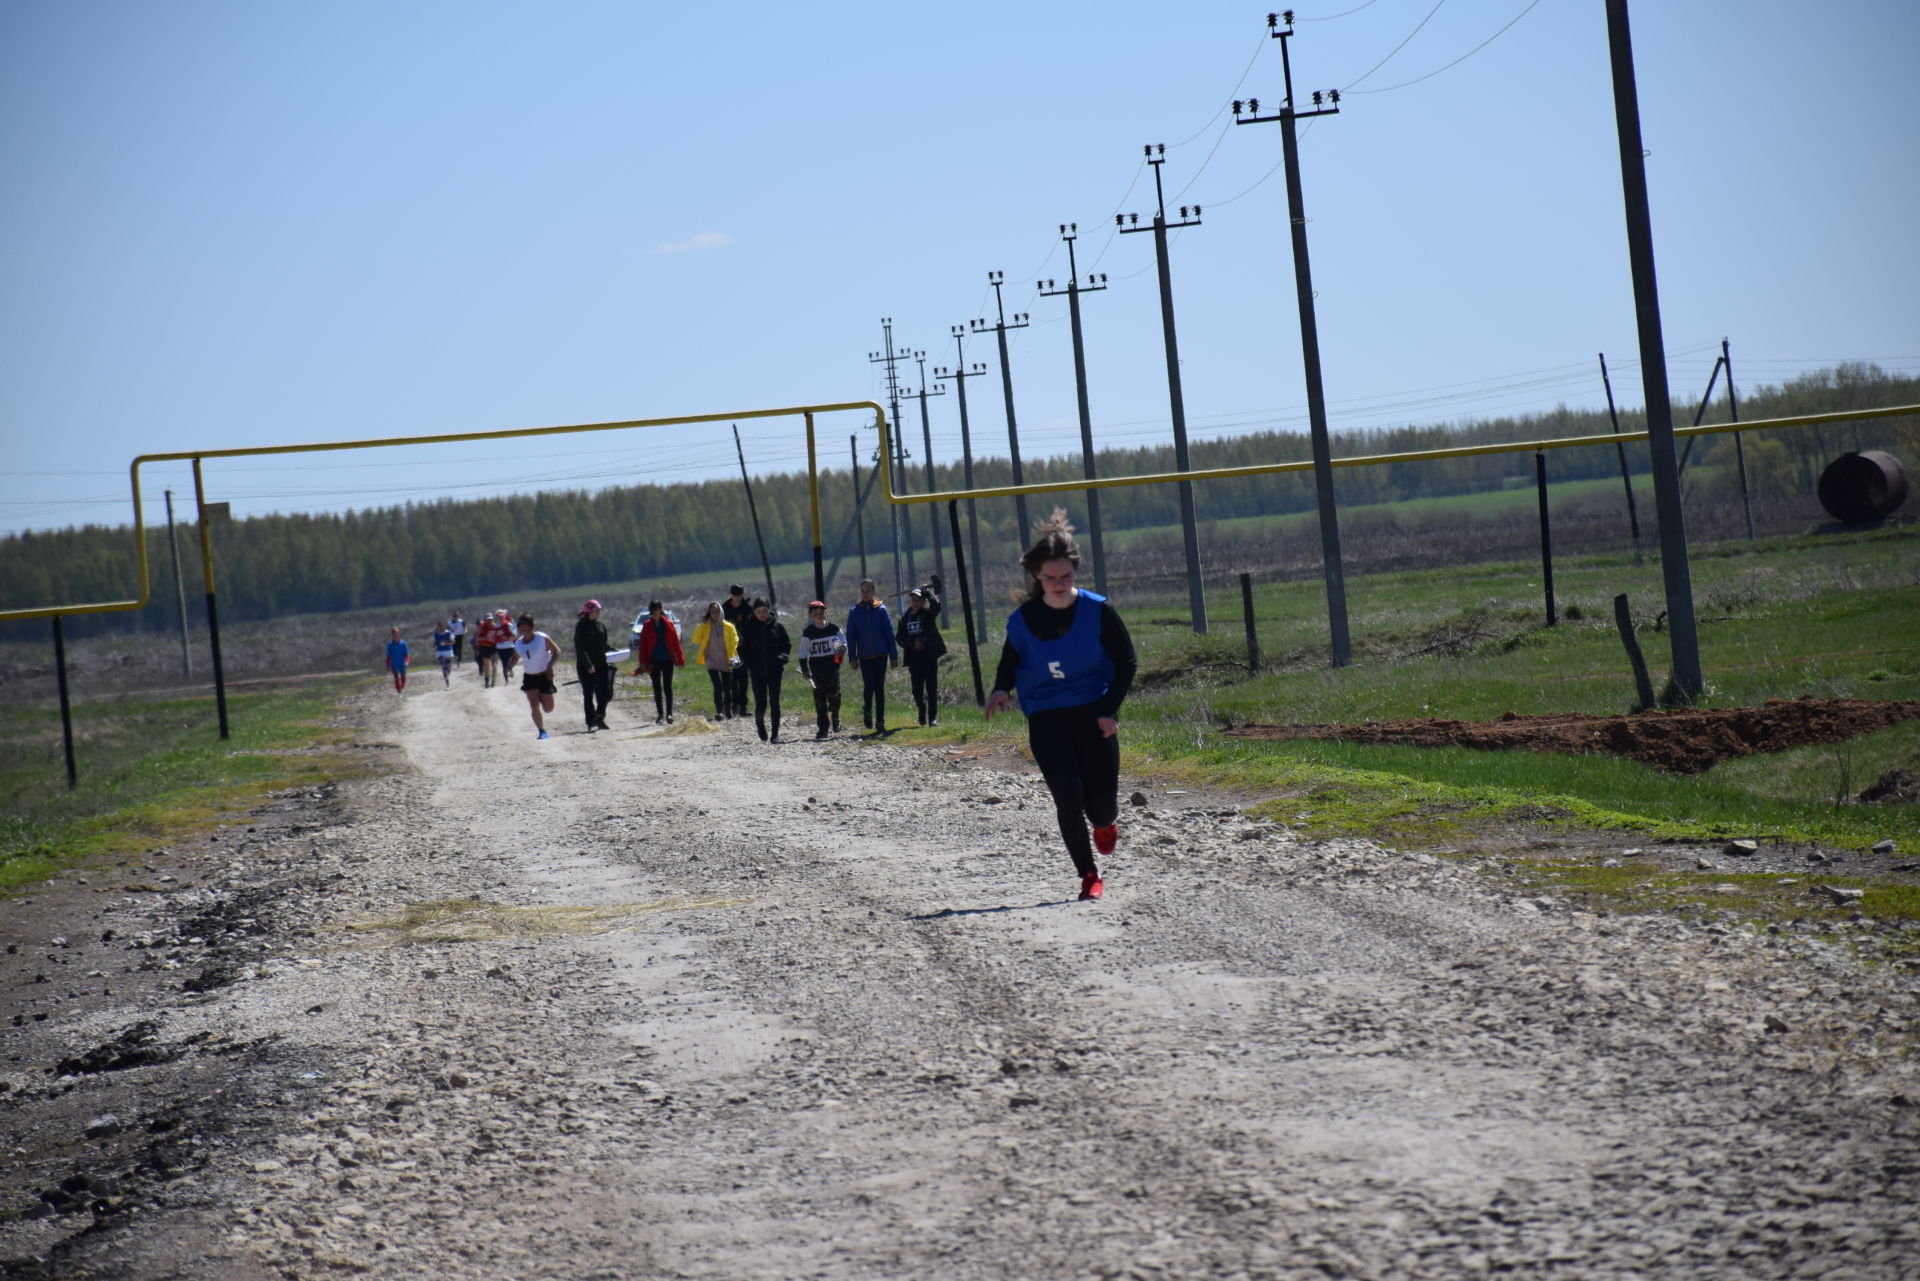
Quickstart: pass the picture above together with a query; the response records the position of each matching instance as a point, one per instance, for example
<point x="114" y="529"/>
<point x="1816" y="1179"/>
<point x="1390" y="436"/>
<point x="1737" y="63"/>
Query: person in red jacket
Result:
<point x="657" y="653"/>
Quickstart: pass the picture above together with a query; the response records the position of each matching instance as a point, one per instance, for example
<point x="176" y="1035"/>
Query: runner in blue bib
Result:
<point x="1070" y="658"/>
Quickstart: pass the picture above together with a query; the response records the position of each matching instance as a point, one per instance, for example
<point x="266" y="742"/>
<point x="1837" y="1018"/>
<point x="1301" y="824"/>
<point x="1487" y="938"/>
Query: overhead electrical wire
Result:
<point x="1457" y="61"/>
<point x="1348" y="88"/>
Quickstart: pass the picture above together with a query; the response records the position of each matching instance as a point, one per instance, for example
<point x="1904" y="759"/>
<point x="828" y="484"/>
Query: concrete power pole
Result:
<point x="926" y="439"/>
<point x="1688" y="679"/>
<point x="1189" y="532"/>
<point x="1069" y="232"/>
<point x="1024" y="534"/>
<point x="1331" y="569"/>
<point x="890" y="358"/>
<point x="960" y="372"/>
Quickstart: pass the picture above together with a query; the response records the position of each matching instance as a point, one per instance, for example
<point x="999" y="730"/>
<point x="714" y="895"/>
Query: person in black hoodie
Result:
<point x="737" y="611"/>
<point x="765" y="649"/>
<point x="590" y="661"/>
<point x="922" y="646"/>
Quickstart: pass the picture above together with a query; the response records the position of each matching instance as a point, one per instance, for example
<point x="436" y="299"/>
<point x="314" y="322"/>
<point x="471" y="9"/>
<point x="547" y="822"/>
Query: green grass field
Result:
<point x="1832" y="616"/>
<point x="153" y="769"/>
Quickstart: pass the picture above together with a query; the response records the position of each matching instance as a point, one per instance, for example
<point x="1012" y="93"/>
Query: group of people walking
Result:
<point x="1068" y="659"/>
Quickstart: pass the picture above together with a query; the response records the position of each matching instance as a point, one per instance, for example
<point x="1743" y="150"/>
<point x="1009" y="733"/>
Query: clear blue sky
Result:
<point x="231" y="222"/>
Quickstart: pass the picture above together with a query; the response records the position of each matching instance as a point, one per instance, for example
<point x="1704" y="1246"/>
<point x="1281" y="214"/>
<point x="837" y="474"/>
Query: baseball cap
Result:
<point x="591" y="604"/>
<point x="816" y="604"/>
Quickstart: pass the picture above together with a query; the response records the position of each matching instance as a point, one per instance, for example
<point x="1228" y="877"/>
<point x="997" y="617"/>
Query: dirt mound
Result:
<point x="1681" y="742"/>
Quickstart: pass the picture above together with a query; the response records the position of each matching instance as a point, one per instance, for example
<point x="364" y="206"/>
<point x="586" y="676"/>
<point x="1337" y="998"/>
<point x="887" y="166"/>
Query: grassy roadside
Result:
<point x="153" y="769"/>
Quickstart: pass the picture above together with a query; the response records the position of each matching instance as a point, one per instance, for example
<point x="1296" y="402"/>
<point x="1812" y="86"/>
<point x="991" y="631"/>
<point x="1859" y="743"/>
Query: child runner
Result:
<point x="821" y="649"/>
<point x="657" y="653"/>
<point x="870" y="643"/>
<point x="1072" y="661"/>
<point x="765" y="648"/>
<point x="716" y="645"/>
<point x="397" y="661"/>
<point x="443" y="650"/>
<point x="923" y="646"/>
<point x="488" y="638"/>
<point x="536" y="651"/>
<point x="590" y="661"/>
<point x="506" y="651"/>
<point x="458" y="626"/>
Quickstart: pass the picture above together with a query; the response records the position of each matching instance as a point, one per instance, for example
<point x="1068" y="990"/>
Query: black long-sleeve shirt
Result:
<point x="590" y="643"/>
<point x="1047" y="623"/>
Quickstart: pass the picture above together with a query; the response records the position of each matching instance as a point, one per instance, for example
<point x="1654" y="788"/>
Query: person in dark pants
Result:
<point x="822" y="647"/>
<point x="1069" y="655"/>
<point x="657" y="653"/>
<point x="870" y="643"/>
<point x="922" y="646"/>
<point x="459" y="627"/>
<point x="765" y="648"/>
<point x="736" y="611"/>
<point x="590" y="660"/>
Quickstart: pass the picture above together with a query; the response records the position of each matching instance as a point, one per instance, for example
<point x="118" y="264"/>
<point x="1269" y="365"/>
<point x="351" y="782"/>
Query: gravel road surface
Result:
<point x="674" y="1003"/>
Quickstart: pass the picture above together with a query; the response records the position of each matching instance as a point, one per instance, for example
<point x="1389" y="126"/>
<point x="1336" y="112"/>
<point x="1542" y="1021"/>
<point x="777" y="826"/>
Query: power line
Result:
<point x="1457" y="61"/>
<point x="1397" y="48"/>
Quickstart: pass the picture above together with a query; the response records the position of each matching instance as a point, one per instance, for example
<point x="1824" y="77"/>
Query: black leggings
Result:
<point x="766" y="697"/>
<point x="926" y="687"/>
<point x="1082" y="769"/>
<point x="662" y="674"/>
<point x="722" y="691"/>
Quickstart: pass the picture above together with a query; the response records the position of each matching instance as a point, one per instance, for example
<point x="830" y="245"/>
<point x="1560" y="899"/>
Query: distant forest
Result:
<point x="476" y="552"/>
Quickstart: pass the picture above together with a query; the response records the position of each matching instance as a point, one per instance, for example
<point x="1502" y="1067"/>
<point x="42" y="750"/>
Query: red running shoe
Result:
<point x="1091" y="886"/>
<point x="1105" y="838"/>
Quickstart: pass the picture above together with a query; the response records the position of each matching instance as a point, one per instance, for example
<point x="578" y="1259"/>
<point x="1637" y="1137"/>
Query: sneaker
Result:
<point x="669" y="718"/>
<point x="602" y="724"/>
<point x="543" y="733"/>
<point x="836" y="725"/>
<point x="1105" y="838"/>
<point x="933" y="720"/>
<point x="1091" y="886"/>
<point x="820" y="734"/>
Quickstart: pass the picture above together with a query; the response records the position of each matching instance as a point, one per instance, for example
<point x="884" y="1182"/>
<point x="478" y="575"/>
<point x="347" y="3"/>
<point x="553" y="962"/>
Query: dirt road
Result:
<point x="722" y="1010"/>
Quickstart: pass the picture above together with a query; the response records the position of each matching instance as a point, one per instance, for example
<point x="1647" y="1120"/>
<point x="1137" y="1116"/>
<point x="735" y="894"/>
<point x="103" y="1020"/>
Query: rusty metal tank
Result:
<point x="1856" y="488"/>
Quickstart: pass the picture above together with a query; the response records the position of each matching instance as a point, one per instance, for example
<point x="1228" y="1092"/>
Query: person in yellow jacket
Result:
<point x="716" y="647"/>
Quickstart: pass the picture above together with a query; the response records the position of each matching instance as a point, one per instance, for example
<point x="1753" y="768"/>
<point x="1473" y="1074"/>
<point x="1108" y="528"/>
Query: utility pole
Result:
<point x="1327" y="104"/>
<point x="960" y="372"/>
<point x="1633" y="512"/>
<point x="1069" y="232"/>
<point x="1024" y="534"/>
<point x="1688" y="680"/>
<point x="859" y="508"/>
<point x="1739" y="452"/>
<point x="754" y="511"/>
<point x="1189" y="532"/>
<point x="890" y="358"/>
<point x="179" y="592"/>
<point x="926" y="437"/>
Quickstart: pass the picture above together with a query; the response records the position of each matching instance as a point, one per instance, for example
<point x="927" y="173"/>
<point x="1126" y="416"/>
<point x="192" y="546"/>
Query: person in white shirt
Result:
<point x="536" y="651"/>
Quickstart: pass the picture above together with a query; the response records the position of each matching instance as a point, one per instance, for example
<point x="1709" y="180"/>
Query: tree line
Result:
<point x="473" y="551"/>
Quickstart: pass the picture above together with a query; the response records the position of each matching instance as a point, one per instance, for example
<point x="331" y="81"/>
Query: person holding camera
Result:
<point x="923" y="647"/>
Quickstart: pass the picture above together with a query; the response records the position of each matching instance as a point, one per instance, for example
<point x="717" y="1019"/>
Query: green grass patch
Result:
<point x="154" y="769"/>
<point x="1830" y="616"/>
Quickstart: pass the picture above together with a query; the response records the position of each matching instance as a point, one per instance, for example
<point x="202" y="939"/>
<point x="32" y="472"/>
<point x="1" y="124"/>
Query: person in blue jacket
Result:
<point x="397" y="661"/>
<point x="870" y="643"/>
<point x="1071" y="660"/>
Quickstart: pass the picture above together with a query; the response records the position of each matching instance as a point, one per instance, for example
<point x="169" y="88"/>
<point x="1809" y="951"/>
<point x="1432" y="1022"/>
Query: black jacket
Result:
<point x="765" y="647"/>
<point x="919" y="637"/>
<point x="589" y="643"/>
